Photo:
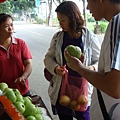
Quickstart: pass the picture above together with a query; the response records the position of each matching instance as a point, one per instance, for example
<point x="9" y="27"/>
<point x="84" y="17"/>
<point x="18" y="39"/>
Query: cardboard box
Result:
<point x="8" y="111"/>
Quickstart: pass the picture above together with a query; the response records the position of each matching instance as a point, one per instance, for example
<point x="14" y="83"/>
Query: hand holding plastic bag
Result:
<point x="74" y="92"/>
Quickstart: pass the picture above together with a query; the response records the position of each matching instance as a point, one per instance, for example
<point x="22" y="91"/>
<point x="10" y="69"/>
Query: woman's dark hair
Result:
<point x="4" y="17"/>
<point x="71" y="10"/>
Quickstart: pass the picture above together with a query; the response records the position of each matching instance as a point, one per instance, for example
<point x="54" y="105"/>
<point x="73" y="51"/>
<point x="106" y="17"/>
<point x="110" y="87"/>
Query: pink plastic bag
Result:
<point x="74" y="92"/>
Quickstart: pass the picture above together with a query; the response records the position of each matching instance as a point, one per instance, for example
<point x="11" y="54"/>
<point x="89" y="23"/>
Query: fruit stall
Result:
<point x="13" y="106"/>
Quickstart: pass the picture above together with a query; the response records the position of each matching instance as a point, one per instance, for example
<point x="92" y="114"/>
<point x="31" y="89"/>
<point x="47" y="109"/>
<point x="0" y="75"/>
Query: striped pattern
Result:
<point x="115" y="42"/>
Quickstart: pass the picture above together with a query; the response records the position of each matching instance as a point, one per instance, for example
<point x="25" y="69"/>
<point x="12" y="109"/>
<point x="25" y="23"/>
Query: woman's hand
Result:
<point x="60" y="70"/>
<point x="21" y="80"/>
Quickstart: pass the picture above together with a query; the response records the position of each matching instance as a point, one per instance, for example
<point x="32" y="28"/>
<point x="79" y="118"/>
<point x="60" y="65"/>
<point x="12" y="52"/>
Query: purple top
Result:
<point x="69" y="41"/>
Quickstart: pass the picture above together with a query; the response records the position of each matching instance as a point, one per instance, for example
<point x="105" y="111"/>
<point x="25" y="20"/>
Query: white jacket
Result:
<point x="53" y="58"/>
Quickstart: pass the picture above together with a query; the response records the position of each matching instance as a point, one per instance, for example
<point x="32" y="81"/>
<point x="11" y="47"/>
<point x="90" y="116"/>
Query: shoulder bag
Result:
<point x="106" y="115"/>
<point x="102" y="106"/>
<point x="47" y="75"/>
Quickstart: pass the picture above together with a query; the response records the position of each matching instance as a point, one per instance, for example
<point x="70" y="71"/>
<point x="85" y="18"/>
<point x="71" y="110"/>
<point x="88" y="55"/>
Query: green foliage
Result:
<point x="55" y="22"/>
<point x="103" y="26"/>
<point x="90" y="18"/>
<point x="24" y="5"/>
<point x="6" y="7"/>
<point x="91" y="25"/>
<point x="11" y="6"/>
<point x="39" y="20"/>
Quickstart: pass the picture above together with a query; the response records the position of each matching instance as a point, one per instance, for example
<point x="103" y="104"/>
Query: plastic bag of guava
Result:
<point x="74" y="92"/>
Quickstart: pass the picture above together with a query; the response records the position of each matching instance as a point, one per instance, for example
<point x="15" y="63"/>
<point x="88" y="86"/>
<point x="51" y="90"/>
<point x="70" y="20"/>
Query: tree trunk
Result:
<point x="84" y="12"/>
<point x="50" y="11"/>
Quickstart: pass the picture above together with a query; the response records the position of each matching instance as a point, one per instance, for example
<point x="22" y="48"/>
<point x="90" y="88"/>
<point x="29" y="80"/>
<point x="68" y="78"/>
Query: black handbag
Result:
<point x="47" y="75"/>
<point x="102" y="106"/>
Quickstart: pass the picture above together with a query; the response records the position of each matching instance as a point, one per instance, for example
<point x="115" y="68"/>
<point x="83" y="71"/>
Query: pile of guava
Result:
<point x="23" y="104"/>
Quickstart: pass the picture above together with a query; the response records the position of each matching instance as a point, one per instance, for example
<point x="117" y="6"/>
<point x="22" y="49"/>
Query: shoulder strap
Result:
<point x="102" y="106"/>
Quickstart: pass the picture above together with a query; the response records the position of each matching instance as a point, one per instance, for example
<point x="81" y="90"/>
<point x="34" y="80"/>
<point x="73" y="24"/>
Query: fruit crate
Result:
<point x="8" y="111"/>
<point x="3" y="114"/>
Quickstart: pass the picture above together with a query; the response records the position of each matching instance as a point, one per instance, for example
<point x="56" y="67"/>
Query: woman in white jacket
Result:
<point x="73" y="33"/>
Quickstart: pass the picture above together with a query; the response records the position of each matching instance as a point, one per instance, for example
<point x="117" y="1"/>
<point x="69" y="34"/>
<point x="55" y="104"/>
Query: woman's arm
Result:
<point x="51" y="55"/>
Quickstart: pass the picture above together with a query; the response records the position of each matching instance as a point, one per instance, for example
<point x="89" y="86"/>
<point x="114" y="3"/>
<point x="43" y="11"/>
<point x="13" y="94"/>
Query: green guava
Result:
<point x="3" y="85"/>
<point x="39" y="117"/>
<point x="31" y="118"/>
<point x="20" y="106"/>
<point x="74" y="51"/>
<point x="10" y="94"/>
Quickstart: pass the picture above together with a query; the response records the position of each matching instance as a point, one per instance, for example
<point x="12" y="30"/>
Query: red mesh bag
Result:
<point x="74" y="92"/>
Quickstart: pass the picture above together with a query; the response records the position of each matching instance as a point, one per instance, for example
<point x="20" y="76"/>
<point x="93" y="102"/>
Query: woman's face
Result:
<point x="63" y="21"/>
<point x="6" y="28"/>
